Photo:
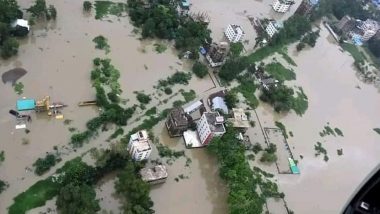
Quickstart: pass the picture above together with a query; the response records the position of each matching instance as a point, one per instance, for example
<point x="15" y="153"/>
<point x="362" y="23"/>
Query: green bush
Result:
<point x="44" y="164"/>
<point x="9" y="48"/>
<point x="101" y="43"/>
<point x="200" y="70"/>
<point x="168" y="91"/>
<point x="87" y="6"/>
<point x="143" y="98"/>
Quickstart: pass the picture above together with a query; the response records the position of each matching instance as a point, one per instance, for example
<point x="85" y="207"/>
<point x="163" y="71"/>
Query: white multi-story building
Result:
<point x="368" y="29"/>
<point x="273" y="27"/>
<point x="282" y="6"/>
<point x="234" y="33"/>
<point x="139" y="146"/>
<point x="209" y="126"/>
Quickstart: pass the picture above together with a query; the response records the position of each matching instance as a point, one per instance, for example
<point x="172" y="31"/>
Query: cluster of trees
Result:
<point x="135" y="191"/>
<point x="143" y="98"/>
<point x="161" y="19"/>
<point x="104" y="76"/>
<point x="233" y="67"/>
<point x="178" y="77"/>
<point x="241" y="180"/>
<point x="231" y="99"/>
<point x="269" y="154"/>
<point x="9" y="11"/>
<point x="294" y="28"/>
<point x="41" y="10"/>
<point x="339" y="8"/>
<point x="42" y="165"/>
<point x="235" y="170"/>
<point x="87" y="6"/>
<point x="199" y="69"/>
<point x="310" y="38"/>
<point x="101" y="43"/>
<point x="76" y="192"/>
<point x="374" y="46"/>
<point x="283" y="99"/>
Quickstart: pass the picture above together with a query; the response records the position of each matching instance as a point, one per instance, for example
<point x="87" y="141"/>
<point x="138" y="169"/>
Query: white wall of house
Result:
<point x="281" y="6"/>
<point x="234" y="33"/>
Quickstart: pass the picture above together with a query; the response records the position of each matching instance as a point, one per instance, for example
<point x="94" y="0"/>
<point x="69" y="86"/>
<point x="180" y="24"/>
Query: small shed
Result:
<point x="25" y="104"/>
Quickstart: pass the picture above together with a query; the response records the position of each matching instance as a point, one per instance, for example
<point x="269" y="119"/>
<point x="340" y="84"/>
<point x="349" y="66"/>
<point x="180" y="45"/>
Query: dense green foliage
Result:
<point x="44" y="164"/>
<point x="134" y="190"/>
<point x="40" y="10"/>
<point x="247" y="88"/>
<point x="231" y="99"/>
<point x="101" y="43"/>
<point x="35" y="196"/>
<point x="189" y="96"/>
<point x="241" y="180"/>
<point x="310" y="38"/>
<point x="177" y="78"/>
<point x="374" y="46"/>
<point x="104" y="8"/>
<point x="87" y="6"/>
<point x="236" y="49"/>
<point x="9" y="47"/>
<point x="161" y="19"/>
<point x="143" y="98"/>
<point x="105" y="77"/>
<point x="199" y="69"/>
<point x="9" y="11"/>
<point x="77" y="199"/>
<point x="233" y="67"/>
<point x="279" y="72"/>
<point x="283" y="99"/>
<point x="269" y="154"/>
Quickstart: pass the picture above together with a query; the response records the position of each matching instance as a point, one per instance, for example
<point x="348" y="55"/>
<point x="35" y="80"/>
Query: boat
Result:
<point x="87" y="103"/>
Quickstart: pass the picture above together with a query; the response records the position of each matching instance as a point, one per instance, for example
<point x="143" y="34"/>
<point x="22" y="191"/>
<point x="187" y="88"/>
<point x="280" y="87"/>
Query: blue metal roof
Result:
<point x="25" y="104"/>
<point x="314" y="2"/>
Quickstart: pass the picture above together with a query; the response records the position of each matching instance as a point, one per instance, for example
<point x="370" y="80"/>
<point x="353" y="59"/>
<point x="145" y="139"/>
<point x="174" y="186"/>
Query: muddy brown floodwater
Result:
<point x="202" y="192"/>
<point x="58" y="57"/>
<point x="328" y="79"/>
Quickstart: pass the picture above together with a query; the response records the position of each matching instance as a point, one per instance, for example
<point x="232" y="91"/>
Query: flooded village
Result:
<point x="315" y="159"/>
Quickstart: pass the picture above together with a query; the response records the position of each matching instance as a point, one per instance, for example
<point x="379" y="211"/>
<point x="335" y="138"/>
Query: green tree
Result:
<point x="231" y="99"/>
<point x="374" y="46"/>
<point x="199" y="69"/>
<point x="9" y="11"/>
<point x="44" y="164"/>
<point x="39" y="9"/>
<point x="52" y="12"/>
<point x="300" y="46"/>
<point x="134" y="190"/>
<point x="4" y="32"/>
<point x="87" y="6"/>
<point x="236" y="49"/>
<point x="9" y="48"/>
<point x="268" y="157"/>
<point x="77" y="199"/>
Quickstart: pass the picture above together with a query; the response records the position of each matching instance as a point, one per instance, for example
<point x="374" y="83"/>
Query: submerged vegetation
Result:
<point x="101" y="43"/>
<point x="320" y="150"/>
<point x="279" y="72"/>
<point x="104" y="8"/>
<point x="19" y="88"/>
<point x="242" y="181"/>
<point x="160" y="19"/>
<point x="283" y="99"/>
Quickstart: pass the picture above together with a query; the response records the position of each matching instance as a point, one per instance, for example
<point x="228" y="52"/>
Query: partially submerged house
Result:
<point x="240" y="119"/>
<point x="139" y="146"/>
<point x="177" y="122"/>
<point x="154" y="175"/>
<point x="209" y="126"/>
<point x="217" y="53"/>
